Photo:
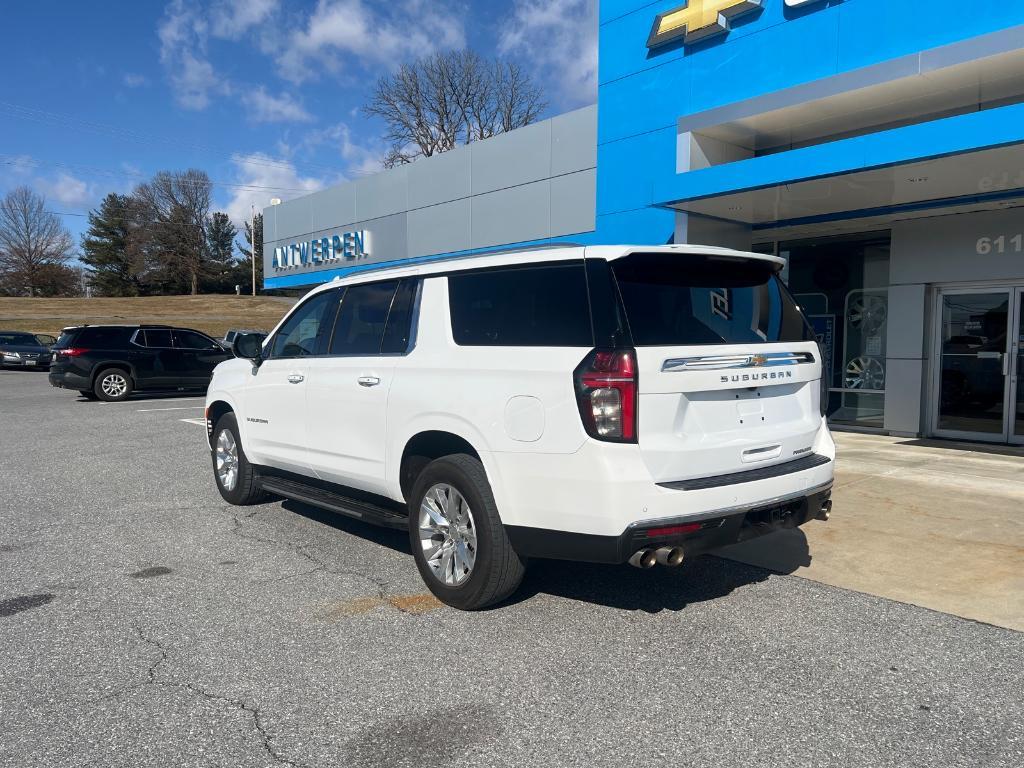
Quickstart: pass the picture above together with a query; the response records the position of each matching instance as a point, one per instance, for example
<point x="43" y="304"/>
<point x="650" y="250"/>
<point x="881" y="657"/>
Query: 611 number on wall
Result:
<point x="1001" y="244"/>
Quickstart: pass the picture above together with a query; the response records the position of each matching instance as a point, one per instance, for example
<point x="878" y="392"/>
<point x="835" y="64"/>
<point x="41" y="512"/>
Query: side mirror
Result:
<point x="248" y="346"/>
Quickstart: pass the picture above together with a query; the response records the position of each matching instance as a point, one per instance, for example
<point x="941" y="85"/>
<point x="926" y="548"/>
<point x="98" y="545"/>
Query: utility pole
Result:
<point x="252" y="246"/>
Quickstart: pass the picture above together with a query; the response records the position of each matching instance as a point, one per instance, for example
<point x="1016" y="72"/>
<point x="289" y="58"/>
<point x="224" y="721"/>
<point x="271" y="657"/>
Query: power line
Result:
<point x="16" y="160"/>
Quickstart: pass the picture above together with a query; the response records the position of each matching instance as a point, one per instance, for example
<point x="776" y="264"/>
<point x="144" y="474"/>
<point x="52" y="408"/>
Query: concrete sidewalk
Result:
<point x="933" y="523"/>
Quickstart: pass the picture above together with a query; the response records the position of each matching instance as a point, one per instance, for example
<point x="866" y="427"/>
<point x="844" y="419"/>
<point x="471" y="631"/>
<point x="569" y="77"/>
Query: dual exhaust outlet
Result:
<point x="648" y="558"/>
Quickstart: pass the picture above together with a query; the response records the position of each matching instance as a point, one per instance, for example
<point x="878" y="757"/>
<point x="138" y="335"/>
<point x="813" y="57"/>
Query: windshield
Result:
<point x="18" y="339"/>
<point x="678" y="300"/>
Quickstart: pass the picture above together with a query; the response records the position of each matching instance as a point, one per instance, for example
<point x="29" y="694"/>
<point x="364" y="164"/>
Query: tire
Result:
<point x="88" y="394"/>
<point x="496" y="570"/>
<point x="113" y="385"/>
<point x="246" y="488"/>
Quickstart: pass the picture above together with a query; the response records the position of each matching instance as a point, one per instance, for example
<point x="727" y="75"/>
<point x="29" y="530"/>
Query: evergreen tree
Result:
<point x="110" y="248"/>
<point x="245" y="264"/>
<point x="220" y="264"/>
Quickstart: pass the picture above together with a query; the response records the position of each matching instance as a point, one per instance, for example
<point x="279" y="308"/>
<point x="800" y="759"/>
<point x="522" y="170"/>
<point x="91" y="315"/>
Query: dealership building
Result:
<point x="877" y="145"/>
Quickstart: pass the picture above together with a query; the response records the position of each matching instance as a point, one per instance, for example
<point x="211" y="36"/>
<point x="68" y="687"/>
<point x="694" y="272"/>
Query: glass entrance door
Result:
<point x="1017" y="371"/>
<point x="973" y="363"/>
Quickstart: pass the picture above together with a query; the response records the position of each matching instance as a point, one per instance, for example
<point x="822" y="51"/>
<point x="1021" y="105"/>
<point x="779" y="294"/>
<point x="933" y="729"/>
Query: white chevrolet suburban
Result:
<point x="607" y="404"/>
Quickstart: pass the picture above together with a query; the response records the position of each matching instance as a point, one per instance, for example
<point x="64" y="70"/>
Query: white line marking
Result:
<point x="179" y="408"/>
<point x="200" y="422"/>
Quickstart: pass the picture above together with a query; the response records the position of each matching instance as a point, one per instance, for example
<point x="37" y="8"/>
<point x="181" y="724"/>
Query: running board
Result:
<point x="335" y="502"/>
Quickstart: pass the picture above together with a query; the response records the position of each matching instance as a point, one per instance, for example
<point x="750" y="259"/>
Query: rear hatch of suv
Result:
<point x="728" y="369"/>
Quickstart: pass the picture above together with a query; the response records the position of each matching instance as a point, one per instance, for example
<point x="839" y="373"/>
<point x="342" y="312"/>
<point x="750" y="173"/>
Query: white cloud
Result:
<point x="341" y="31"/>
<point x="361" y="159"/>
<point x="134" y="80"/>
<point x="557" y="39"/>
<point x="68" y="190"/>
<point x="183" y="34"/>
<point x="263" y="107"/>
<point x="260" y="177"/>
<point x="233" y="18"/>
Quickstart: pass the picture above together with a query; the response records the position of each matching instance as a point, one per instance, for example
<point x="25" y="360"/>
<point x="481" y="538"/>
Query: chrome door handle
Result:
<point x="296" y="378"/>
<point x="368" y="381"/>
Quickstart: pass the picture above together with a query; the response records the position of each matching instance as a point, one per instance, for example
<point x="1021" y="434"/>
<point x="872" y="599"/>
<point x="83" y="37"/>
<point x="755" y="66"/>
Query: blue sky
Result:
<point x="263" y="95"/>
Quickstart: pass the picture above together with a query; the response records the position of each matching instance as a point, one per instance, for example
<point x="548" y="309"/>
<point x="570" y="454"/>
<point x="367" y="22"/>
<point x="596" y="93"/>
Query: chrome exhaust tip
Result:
<point x="645" y="558"/>
<point x="670" y="556"/>
<point x="826" y="510"/>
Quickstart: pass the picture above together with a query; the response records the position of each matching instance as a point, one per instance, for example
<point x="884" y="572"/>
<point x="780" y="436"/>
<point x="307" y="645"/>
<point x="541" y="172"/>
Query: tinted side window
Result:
<point x="156" y="339"/>
<point x="361" y="320"/>
<point x="536" y="306"/>
<point x="398" y="331"/>
<point x="105" y="338"/>
<point x="193" y="340"/>
<point x="300" y="333"/>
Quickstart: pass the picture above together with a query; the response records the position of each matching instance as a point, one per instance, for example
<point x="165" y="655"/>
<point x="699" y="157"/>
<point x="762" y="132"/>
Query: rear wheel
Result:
<point x="237" y="479"/>
<point x="113" y="385"/>
<point x="457" y="537"/>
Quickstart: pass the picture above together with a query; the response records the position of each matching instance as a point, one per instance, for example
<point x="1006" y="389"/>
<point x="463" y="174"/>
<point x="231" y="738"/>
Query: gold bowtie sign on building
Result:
<point x="698" y="20"/>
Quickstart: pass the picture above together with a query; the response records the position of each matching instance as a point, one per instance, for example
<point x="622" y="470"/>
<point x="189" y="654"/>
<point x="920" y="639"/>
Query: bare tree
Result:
<point x="34" y="244"/>
<point x="178" y="205"/>
<point x="446" y="99"/>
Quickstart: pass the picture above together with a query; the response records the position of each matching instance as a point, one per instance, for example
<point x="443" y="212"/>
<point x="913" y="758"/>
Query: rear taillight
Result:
<point x="606" y="391"/>
<point x="71" y="351"/>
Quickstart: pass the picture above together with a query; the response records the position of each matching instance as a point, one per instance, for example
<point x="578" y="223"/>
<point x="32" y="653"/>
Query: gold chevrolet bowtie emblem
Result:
<point x="698" y="20"/>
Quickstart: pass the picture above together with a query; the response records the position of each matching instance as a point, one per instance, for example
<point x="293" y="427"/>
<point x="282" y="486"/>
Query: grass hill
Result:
<point x="211" y="314"/>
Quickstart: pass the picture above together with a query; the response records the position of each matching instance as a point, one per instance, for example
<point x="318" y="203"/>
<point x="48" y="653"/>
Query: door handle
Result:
<point x="368" y="381"/>
<point x="296" y="378"/>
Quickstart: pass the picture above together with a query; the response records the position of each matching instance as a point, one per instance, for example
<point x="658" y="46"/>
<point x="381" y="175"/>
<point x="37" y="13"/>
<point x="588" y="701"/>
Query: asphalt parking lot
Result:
<point x="143" y="622"/>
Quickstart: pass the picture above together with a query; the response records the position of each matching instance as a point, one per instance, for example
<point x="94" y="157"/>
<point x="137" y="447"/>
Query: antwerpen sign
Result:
<point x="341" y="246"/>
<point x="698" y="20"/>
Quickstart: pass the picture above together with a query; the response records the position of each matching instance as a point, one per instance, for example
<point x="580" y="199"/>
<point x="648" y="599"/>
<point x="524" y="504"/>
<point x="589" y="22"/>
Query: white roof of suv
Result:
<point x="542" y="253"/>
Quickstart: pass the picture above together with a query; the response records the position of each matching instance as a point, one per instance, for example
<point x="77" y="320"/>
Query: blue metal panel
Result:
<point x="952" y="135"/>
<point x="627" y="170"/>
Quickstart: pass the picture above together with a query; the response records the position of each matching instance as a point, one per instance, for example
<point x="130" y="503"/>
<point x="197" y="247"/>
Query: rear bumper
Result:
<point x="65" y="380"/>
<point x="703" y="533"/>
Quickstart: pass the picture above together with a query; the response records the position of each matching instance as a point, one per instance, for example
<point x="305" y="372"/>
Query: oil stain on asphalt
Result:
<point x="415" y="604"/>
<point x="149" y="573"/>
<point x="23" y="603"/>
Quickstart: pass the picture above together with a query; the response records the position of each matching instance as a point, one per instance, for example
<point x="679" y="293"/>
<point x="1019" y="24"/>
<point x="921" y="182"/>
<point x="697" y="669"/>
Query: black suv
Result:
<point x="109" y="362"/>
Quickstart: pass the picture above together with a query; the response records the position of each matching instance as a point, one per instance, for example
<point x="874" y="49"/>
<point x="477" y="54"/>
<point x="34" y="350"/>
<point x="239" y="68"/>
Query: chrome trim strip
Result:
<point x="723" y="362"/>
<point x="741" y="509"/>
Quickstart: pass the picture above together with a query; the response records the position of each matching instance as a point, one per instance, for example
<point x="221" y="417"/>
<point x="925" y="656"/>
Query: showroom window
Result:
<point x="842" y="286"/>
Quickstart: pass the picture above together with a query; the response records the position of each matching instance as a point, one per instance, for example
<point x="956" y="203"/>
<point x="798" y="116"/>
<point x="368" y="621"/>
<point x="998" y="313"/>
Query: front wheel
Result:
<point x="457" y="537"/>
<point x="237" y="479"/>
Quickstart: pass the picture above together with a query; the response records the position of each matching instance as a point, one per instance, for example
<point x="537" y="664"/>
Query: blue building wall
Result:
<point x="642" y="93"/>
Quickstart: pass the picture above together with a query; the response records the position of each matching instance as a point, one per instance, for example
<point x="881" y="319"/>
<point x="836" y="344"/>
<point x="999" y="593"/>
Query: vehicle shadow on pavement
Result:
<point x="659" y="588"/>
<point x="614" y="586"/>
<point x="387" y="537"/>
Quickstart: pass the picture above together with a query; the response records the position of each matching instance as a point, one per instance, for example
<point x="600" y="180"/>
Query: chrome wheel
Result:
<point x="227" y="460"/>
<point x="447" y="534"/>
<point x="865" y="373"/>
<point x="114" y="385"/>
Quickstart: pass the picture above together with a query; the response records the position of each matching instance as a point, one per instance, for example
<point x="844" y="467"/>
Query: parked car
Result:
<point x="607" y="404"/>
<point x="110" y="362"/>
<point x="23" y="350"/>
<point x="230" y="336"/>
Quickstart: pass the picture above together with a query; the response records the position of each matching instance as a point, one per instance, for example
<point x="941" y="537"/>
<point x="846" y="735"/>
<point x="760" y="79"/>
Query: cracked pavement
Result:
<point x="143" y="622"/>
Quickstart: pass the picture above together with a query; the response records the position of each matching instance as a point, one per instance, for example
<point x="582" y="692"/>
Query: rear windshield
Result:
<point x="675" y="300"/>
